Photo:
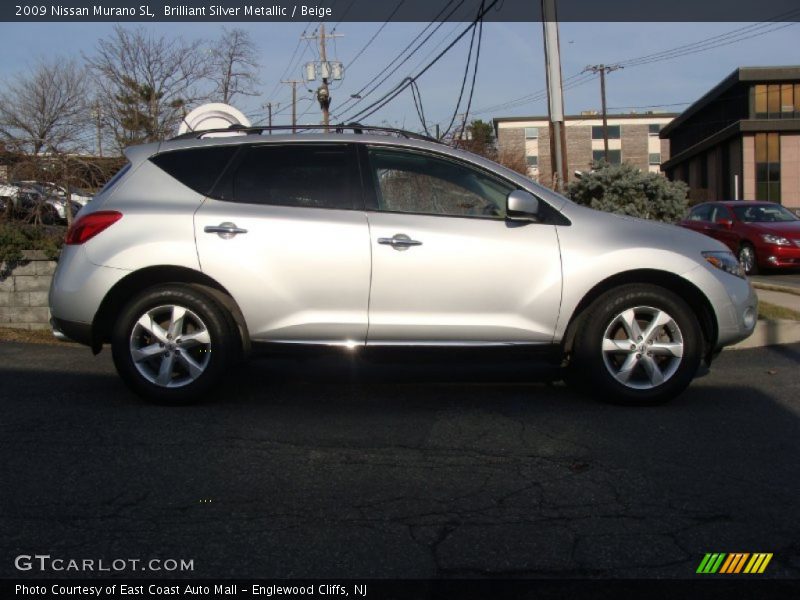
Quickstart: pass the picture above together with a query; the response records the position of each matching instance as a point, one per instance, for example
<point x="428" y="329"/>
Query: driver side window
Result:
<point x="411" y="182"/>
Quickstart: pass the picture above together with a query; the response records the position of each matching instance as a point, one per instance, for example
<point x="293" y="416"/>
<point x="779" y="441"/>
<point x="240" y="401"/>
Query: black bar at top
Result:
<point x="334" y="11"/>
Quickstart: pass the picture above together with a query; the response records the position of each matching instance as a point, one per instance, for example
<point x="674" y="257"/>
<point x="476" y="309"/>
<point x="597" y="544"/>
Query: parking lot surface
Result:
<point x="332" y="467"/>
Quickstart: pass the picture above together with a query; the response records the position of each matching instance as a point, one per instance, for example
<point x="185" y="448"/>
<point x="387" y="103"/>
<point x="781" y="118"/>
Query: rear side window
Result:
<point x="701" y="213"/>
<point x="196" y="168"/>
<point x="310" y="176"/>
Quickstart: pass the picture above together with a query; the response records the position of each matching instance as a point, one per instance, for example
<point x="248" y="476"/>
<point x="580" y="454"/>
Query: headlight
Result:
<point x="725" y="261"/>
<point x="775" y="239"/>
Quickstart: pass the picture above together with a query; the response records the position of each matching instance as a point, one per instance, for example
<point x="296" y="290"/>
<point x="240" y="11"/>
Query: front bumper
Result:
<point x="733" y="301"/>
<point x="779" y="257"/>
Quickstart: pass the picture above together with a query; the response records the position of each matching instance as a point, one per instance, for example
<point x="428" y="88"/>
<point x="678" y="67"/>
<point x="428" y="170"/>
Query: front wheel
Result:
<point x="639" y="345"/>
<point x="171" y="344"/>
<point x="747" y="258"/>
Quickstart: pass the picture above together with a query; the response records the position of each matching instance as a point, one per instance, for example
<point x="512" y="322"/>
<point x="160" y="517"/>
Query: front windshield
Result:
<point x="764" y="213"/>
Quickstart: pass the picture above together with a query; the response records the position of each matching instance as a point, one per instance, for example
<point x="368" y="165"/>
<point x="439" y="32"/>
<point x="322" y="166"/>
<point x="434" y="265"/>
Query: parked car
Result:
<point x="48" y="188"/>
<point x="27" y="202"/>
<point x="60" y="207"/>
<point x="202" y="249"/>
<point x="762" y="234"/>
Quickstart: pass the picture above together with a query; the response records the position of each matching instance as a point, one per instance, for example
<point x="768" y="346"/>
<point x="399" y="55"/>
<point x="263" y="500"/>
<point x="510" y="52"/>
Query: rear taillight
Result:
<point x="88" y="226"/>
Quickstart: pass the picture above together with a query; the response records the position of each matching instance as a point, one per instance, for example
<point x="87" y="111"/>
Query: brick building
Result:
<point x="633" y="138"/>
<point x="741" y="140"/>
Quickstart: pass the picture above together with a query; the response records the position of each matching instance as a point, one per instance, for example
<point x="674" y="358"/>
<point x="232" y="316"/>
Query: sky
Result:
<point x="511" y="63"/>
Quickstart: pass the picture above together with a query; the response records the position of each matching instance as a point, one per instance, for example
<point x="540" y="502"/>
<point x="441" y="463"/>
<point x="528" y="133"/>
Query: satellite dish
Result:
<point x="214" y="115"/>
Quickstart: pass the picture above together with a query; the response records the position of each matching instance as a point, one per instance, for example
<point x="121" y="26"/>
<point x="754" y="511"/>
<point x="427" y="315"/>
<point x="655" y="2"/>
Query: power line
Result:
<point x="361" y="95"/>
<point x="375" y="35"/>
<point x="463" y="82"/>
<point x="720" y="40"/>
<point x="406" y="82"/>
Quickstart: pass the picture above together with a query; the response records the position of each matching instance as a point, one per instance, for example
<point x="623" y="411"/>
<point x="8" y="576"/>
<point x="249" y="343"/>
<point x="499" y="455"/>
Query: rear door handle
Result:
<point x="400" y="241"/>
<point x="225" y="230"/>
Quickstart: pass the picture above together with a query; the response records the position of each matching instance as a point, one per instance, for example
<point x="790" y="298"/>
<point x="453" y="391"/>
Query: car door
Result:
<point x="699" y="218"/>
<point x="448" y="268"/>
<point x="724" y="227"/>
<point x="285" y="233"/>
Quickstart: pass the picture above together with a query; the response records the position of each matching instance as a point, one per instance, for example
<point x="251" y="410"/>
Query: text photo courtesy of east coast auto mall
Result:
<point x="400" y="299"/>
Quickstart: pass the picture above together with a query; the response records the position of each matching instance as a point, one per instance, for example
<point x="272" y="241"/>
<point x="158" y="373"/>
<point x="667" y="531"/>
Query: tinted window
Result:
<point x="420" y="183"/>
<point x="613" y="132"/>
<point x="764" y="213"/>
<point x="299" y="175"/>
<point x="196" y="168"/>
<point x="721" y="213"/>
<point x="614" y="156"/>
<point x="701" y="213"/>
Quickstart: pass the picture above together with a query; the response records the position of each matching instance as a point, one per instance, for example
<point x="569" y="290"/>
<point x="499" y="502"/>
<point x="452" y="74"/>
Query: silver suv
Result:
<point x="203" y="247"/>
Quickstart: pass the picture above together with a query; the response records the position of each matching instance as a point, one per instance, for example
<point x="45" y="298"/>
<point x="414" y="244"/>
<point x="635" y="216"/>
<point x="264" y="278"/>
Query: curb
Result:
<point x="769" y="287"/>
<point x="771" y="333"/>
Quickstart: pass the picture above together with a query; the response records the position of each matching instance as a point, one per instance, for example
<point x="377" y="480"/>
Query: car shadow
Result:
<point x="336" y="467"/>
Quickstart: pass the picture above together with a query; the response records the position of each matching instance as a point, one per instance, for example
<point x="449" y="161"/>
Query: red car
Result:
<point x="762" y="234"/>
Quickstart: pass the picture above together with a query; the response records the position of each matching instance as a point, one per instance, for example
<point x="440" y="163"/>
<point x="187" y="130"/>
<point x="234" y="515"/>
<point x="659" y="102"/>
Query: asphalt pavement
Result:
<point x="333" y="467"/>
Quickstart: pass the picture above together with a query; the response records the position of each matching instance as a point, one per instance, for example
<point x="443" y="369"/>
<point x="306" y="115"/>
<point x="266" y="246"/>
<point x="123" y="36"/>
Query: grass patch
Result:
<point x="772" y="312"/>
<point x="29" y="336"/>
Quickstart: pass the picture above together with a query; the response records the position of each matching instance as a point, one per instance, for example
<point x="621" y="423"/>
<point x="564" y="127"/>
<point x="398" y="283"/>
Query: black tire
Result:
<point x="745" y="248"/>
<point x="186" y="383"/>
<point x="601" y="370"/>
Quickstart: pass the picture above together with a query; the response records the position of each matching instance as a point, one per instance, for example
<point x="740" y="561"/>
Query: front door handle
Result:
<point x="225" y="230"/>
<point x="400" y="241"/>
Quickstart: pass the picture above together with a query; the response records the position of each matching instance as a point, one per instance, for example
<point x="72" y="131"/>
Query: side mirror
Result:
<point x="522" y="206"/>
<point x="725" y="223"/>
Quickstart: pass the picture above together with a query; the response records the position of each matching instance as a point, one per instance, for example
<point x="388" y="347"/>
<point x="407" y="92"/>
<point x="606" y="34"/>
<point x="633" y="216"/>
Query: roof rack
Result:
<point x="339" y="128"/>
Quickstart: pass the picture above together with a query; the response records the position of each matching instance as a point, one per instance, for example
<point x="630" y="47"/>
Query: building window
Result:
<point x="533" y="161"/>
<point x="654" y="129"/>
<point x="655" y="158"/>
<point x="613" y="132"/>
<point x="614" y="156"/>
<point x="531" y="133"/>
<point x="768" y="167"/>
<point x="777" y="101"/>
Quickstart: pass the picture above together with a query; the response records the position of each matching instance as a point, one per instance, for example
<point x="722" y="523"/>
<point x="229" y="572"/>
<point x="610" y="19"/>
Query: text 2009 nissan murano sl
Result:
<point x="203" y="246"/>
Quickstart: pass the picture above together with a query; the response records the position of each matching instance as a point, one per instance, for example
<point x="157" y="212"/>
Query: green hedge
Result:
<point x="17" y="237"/>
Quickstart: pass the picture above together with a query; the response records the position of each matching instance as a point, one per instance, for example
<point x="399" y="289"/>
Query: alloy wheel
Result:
<point x="747" y="258"/>
<point x="170" y="346"/>
<point x="642" y="347"/>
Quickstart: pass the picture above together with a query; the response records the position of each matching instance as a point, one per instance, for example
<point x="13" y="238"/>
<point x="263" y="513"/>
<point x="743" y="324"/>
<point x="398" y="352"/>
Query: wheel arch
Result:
<point x="696" y="299"/>
<point x="148" y="277"/>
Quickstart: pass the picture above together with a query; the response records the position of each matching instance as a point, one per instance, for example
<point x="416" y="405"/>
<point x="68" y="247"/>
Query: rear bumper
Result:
<point x="72" y="330"/>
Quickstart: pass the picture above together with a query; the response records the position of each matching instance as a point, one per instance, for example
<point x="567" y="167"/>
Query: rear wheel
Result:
<point x="639" y="345"/>
<point x="747" y="258"/>
<point x="171" y="344"/>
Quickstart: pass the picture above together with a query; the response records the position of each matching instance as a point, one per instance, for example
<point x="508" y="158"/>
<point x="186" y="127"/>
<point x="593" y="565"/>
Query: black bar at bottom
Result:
<point x="705" y="586"/>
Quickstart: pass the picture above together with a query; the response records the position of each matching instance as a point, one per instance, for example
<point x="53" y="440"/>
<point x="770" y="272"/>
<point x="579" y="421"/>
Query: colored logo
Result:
<point x="734" y="563"/>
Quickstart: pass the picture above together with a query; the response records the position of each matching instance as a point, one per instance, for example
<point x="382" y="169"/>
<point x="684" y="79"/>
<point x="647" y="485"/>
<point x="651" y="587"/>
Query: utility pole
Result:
<point x="555" y="94"/>
<point x="293" y="83"/>
<point x="603" y="69"/>
<point x="323" y="92"/>
<point x="268" y="106"/>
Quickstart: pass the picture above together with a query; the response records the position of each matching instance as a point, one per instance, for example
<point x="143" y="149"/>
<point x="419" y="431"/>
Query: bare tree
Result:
<point x="145" y="83"/>
<point x="45" y="110"/>
<point x="234" y="65"/>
